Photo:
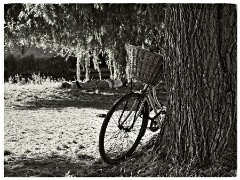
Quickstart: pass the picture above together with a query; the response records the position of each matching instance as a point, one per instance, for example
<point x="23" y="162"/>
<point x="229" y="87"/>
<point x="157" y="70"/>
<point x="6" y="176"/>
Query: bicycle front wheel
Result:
<point x="123" y="128"/>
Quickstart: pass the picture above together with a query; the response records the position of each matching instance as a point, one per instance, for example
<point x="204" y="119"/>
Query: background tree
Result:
<point x="84" y="29"/>
<point x="201" y="77"/>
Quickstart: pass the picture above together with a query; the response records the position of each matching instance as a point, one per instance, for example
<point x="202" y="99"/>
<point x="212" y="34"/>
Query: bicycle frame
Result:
<point x="154" y="103"/>
<point x="130" y="112"/>
<point x="149" y="95"/>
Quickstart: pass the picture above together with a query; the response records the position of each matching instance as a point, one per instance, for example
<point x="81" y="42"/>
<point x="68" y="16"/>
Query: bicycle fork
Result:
<point x="153" y="101"/>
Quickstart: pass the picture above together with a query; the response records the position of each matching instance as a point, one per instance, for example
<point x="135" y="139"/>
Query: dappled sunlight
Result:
<point x="35" y="96"/>
<point x="49" y="131"/>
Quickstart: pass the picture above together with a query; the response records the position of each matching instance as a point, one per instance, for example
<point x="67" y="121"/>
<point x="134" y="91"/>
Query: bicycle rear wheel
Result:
<point x="123" y="128"/>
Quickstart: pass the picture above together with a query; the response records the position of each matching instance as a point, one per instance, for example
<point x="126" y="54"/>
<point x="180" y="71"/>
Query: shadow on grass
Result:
<point x="79" y="99"/>
<point x="58" y="166"/>
<point x="73" y="98"/>
<point x="34" y="99"/>
<point x="82" y="166"/>
<point x="140" y="164"/>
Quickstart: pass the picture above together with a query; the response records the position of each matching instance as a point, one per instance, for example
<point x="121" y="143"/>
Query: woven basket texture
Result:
<point x="144" y="65"/>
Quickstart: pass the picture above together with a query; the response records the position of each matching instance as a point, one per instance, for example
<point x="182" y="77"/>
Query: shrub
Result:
<point x="34" y="79"/>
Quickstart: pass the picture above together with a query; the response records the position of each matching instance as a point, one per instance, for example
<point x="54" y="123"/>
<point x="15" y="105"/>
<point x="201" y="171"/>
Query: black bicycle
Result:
<point x="126" y="122"/>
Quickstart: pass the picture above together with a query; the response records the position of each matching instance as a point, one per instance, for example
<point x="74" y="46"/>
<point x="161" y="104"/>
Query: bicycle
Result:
<point x="126" y="122"/>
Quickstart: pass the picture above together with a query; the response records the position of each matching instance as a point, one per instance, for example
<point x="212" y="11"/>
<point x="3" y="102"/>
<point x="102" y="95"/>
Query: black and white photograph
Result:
<point x="119" y="89"/>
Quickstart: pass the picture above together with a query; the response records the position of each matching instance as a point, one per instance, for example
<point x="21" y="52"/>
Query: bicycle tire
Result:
<point x="109" y="117"/>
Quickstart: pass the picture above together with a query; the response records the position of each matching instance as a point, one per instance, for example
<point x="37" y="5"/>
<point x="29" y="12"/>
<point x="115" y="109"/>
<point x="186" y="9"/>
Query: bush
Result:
<point x="34" y="79"/>
<point x="25" y="66"/>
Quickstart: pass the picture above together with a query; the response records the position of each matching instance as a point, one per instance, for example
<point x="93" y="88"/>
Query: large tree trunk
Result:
<point x="201" y="76"/>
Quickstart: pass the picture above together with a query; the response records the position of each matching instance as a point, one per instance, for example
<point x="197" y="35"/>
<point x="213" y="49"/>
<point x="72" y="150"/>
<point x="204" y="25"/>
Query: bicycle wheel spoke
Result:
<point x="122" y="140"/>
<point x="122" y="129"/>
<point x="114" y="147"/>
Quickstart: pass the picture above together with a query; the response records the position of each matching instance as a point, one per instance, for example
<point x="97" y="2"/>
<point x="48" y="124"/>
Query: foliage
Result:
<point x="28" y="64"/>
<point x="74" y="29"/>
<point x="34" y="79"/>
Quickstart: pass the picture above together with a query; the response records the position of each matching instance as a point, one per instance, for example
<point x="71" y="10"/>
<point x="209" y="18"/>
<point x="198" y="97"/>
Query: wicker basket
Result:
<point x="144" y="65"/>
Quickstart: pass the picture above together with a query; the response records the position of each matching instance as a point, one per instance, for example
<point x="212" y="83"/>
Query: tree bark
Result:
<point x="87" y="68"/>
<point x="78" y="66"/>
<point x="201" y="76"/>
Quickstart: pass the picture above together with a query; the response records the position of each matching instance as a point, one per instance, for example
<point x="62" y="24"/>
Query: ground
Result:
<point x="49" y="131"/>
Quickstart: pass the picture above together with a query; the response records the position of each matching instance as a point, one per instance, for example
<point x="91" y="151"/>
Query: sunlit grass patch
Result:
<point x="35" y="81"/>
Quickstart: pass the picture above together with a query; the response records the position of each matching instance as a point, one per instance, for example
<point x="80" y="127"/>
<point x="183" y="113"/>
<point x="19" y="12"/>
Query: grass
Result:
<point x="53" y="132"/>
